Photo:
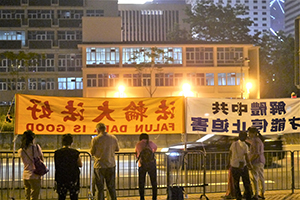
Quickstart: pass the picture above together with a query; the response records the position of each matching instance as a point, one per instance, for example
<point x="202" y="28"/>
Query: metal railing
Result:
<point x="197" y="171"/>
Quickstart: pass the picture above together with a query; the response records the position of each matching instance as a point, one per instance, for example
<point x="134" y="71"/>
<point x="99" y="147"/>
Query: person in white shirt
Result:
<point x="103" y="148"/>
<point x="239" y="162"/>
<point x="29" y="150"/>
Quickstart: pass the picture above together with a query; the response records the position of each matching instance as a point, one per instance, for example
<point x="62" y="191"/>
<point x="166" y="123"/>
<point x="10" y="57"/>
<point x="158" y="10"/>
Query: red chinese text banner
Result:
<point x="75" y="115"/>
<point x="230" y="116"/>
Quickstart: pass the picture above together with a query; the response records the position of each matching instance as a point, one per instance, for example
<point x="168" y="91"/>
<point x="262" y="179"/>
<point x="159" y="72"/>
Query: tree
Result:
<point x="214" y="22"/>
<point x="277" y="65"/>
<point x="148" y="61"/>
<point x="179" y="34"/>
<point x="18" y="66"/>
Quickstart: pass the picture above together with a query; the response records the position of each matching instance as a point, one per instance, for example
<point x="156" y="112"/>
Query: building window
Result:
<point x="137" y="80"/>
<point x="50" y="83"/>
<point x="229" y="55"/>
<point x="69" y="62"/>
<point x="40" y="14"/>
<point x="95" y="13"/>
<point x="102" y="56"/>
<point x="74" y="83"/>
<point x="175" y="53"/>
<point x="221" y="78"/>
<point x="129" y="53"/>
<point x="178" y="79"/>
<point x="69" y="35"/>
<point x="196" y="79"/>
<point x="45" y="84"/>
<point x="70" y="14"/>
<point x="3" y="84"/>
<point x="146" y="79"/>
<point x="32" y="84"/>
<point x="40" y="35"/>
<point x="16" y="84"/>
<point x="91" y="80"/>
<point x="70" y="83"/>
<point x="159" y="79"/>
<point x="62" y="83"/>
<point x="127" y="80"/>
<point x="210" y="79"/>
<point x="228" y="78"/>
<point x="169" y="79"/>
<point x="199" y="55"/>
<point x="231" y="79"/>
<point x="108" y="80"/>
<point x="201" y="79"/>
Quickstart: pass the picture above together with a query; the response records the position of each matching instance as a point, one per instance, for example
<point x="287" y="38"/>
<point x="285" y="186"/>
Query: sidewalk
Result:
<point x="272" y="195"/>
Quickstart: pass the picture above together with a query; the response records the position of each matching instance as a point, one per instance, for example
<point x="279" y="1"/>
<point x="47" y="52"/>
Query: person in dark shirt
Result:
<point x="67" y="163"/>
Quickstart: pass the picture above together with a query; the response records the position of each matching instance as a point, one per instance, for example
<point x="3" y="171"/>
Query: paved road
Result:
<point x="269" y="195"/>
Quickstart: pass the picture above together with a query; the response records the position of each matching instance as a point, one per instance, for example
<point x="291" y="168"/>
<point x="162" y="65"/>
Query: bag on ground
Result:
<point x="175" y="193"/>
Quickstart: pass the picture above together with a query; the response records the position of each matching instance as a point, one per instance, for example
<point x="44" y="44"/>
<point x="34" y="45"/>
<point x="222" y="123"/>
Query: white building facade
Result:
<point x="211" y="70"/>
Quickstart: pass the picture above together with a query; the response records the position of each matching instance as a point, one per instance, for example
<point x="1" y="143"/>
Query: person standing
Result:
<point x="257" y="158"/>
<point x="103" y="148"/>
<point x="29" y="150"/>
<point x="67" y="163"/>
<point x="239" y="162"/>
<point x="146" y="166"/>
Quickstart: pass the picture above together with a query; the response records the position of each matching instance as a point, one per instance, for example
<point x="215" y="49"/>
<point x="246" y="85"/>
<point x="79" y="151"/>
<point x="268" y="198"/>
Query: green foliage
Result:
<point x="5" y="125"/>
<point x="19" y="63"/>
<point x="214" y="22"/>
<point x="181" y="35"/>
<point x="277" y="65"/>
<point x="21" y="59"/>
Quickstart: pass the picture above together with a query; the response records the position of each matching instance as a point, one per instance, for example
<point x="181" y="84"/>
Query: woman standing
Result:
<point x="146" y="167"/>
<point x="67" y="163"/>
<point x="27" y="152"/>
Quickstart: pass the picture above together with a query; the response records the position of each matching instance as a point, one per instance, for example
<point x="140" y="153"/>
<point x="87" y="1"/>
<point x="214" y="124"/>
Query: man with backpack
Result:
<point x="145" y="156"/>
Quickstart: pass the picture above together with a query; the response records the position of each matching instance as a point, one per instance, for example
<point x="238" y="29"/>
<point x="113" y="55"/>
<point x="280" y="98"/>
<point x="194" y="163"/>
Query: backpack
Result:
<point x="146" y="156"/>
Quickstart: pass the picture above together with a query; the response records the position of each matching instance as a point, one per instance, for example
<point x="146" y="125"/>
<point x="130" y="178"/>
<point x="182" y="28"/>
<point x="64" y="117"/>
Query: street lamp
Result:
<point x="121" y="92"/>
<point x="186" y="90"/>
<point x="242" y="60"/>
<point x="248" y="87"/>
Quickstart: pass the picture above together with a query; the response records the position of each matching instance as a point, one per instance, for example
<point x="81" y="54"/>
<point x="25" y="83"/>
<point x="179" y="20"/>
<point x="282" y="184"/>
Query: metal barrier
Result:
<point x="197" y="171"/>
<point x="11" y="172"/>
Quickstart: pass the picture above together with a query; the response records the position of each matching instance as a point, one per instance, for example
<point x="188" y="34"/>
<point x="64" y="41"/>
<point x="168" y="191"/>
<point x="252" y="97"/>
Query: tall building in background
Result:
<point x="292" y="11"/>
<point x="151" y="21"/>
<point x="52" y="28"/>
<point x="259" y="13"/>
<point x="277" y="16"/>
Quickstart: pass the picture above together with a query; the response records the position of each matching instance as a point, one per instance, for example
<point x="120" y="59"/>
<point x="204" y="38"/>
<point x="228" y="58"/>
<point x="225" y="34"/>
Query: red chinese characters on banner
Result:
<point x="165" y="110"/>
<point x="72" y="113"/>
<point x="106" y="112"/>
<point x="135" y="112"/>
<point x="45" y="109"/>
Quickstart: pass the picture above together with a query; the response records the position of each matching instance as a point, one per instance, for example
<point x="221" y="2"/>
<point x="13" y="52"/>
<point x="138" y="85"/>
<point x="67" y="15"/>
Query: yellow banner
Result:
<point x="75" y="115"/>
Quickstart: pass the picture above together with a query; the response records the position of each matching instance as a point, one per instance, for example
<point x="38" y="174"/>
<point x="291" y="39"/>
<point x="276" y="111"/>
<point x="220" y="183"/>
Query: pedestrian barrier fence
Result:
<point x="197" y="171"/>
